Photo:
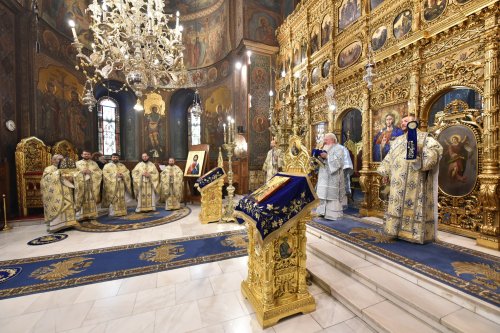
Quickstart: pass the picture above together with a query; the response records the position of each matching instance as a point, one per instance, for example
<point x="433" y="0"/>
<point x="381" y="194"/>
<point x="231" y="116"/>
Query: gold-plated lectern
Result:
<point x="276" y="216"/>
<point x="210" y="186"/>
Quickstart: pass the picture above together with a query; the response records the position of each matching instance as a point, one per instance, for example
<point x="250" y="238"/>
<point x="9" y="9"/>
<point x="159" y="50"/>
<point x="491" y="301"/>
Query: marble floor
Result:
<point x="203" y="298"/>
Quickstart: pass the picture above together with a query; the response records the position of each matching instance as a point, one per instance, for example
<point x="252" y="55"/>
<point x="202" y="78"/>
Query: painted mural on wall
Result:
<point x="154" y="127"/>
<point x="433" y="8"/>
<point x="59" y="106"/>
<point x="57" y="13"/>
<point x="402" y="24"/>
<point x="206" y="39"/>
<point x="273" y="5"/>
<point x="259" y="85"/>
<point x="349" y="55"/>
<point x="348" y="12"/>
<point x="458" y="169"/>
<point x="217" y="107"/>
<point x="57" y="47"/>
<point x="261" y="27"/>
<point x="386" y="128"/>
<point x="190" y="6"/>
<point x="7" y="76"/>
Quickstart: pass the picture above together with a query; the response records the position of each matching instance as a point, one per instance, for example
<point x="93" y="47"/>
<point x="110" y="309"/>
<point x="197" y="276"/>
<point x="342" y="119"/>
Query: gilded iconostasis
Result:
<point x="445" y="73"/>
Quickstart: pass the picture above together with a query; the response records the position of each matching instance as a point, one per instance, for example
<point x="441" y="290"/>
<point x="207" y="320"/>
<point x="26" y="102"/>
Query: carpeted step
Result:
<point x="436" y="307"/>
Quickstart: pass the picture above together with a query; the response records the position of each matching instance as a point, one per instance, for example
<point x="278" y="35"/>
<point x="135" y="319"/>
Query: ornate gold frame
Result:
<point x="458" y="48"/>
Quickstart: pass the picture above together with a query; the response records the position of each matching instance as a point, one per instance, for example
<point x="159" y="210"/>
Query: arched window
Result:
<point x="108" y="117"/>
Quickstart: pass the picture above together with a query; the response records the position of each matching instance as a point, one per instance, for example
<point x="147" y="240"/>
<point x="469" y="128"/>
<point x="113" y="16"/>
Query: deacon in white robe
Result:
<point x="330" y="187"/>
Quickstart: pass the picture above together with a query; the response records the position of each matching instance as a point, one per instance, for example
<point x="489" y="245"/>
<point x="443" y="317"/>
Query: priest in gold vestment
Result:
<point x="87" y="187"/>
<point x="146" y="179"/>
<point x="57" y="195"/>
<point x="171" y="183"/>
<point x="117" y="185"/>
<point x="412" y="211"/>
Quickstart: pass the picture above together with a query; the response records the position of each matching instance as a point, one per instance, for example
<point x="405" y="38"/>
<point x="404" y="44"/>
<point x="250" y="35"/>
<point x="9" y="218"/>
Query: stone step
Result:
<point x="467" y="301"/>
<point x="429" y="301"/>
<point x="367" y="304"/>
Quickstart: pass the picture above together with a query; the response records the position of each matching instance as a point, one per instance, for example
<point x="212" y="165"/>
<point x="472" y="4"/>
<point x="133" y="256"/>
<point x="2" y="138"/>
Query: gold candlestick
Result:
<point x="228" y="215"/>
<point x="5" y="226"/>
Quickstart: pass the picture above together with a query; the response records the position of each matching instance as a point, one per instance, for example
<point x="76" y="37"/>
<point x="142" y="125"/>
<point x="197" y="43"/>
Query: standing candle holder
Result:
<point x="229" y="146"/>
<point x="5" y="226"/>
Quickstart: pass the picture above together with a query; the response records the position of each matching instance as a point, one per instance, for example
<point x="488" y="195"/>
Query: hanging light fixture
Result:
<point x="330" y="98"/>
<point x="196" y="108"/>
<point x="370" y="69"/>
<point x="132" y="37"/>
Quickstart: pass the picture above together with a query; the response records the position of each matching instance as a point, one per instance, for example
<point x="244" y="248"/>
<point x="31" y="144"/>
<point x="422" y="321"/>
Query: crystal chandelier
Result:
<point x="370" y="69"/>
<point x="132" y="37"/>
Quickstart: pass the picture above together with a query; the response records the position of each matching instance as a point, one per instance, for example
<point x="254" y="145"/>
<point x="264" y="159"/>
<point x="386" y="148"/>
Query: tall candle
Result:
<point x="224" y="133"/>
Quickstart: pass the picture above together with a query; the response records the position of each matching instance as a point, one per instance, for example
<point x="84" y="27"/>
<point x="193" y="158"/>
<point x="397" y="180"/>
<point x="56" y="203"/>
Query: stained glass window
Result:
<point x="109" y="127"/>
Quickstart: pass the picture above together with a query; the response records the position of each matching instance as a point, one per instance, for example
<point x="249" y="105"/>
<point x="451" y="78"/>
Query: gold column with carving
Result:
<point x="367" y="178"/>
<point x="489" y="193"/>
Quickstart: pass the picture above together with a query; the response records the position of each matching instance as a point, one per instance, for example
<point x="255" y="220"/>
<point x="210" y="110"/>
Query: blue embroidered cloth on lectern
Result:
<point x="280" y="210"/>
<point x="210" y="177"/>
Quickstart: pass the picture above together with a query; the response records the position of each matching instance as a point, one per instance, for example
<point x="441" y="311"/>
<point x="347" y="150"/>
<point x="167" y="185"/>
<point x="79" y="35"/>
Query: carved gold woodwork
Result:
<point x="457" y="48"/>
<point x="296" y="159"/>
<point x="211" y="201"/>
<point x="463" y="214"/>
<point x="32" y="157"/>
<point x="276" y="282"/>
<point x="66" y="149"/>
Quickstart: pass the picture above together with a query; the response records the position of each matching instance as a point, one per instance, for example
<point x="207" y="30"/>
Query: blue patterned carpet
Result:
<point x="38" y="274"/>
<point x="133" y="220"/>
<point x="470" y="271"/>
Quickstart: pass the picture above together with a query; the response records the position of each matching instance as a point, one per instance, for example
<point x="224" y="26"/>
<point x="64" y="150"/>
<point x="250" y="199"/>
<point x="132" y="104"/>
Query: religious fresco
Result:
<point x="60" y="106"/>
<point x="217" y="106"/>
<point x="206" y="39"/>
<point x="458" y="169"/>
<point x="190" y="6"/>
<point x="375" y="3"/>
<point x="379" y="37"/>
<point x="154" y="115"/>
<point x="348" y="12"/>
<point x="326" y="30"/>
<point x="402" y="24"/>
<point x="261" y="27"/>
<point x="386" y="127"/>
<point x="212" y="74"/>
<point x="433" y="8"/>
<point x="349" y="55"/>
<point x="273" y="5"/>
<point x="258" y="133"/>
<point x="57" y="13"/>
